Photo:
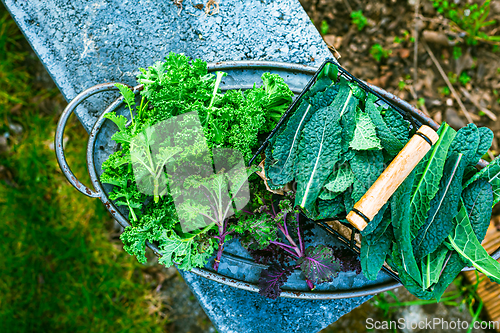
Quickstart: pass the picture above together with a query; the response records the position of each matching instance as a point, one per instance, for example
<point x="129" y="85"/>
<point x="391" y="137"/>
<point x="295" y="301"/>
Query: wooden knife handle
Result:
<point x="384" y="187"/>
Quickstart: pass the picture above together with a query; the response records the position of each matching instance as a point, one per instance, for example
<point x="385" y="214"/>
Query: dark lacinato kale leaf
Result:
<point x="399" y="126"/>
<point x="366" y="166"/>
<point x="410" y="284"/>
<point x="453" y="265"/>
<point x="319" y="264"/>
<point x="272" y="279"/>
<point x="428" y="174"/>
<point x="432" y="265"/>
<point x="464" y="240"/>
<point x="330" y="208"/>
<point x="443" y="208"/>
<point x="346" y="103"/>
<point x="319" y="150"/>
<point x="492" y="174"/>
<point x="466" y="142"/>
<point x="281" y="155"/>
<point x="485" y="139"/>
<point x="401" y="222"/>
<point x="326" y="77"/>
<point x="327" y="195"/>
<point x="340" y="180"/>
<point x="389" y="141"/>
<point x="324" y="98"/>
<point x="376" y="246"/>
<point x="478" y="200"/>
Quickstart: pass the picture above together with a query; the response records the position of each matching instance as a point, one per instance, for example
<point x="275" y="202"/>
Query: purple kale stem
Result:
<point x="281" y="244"/>
<point x="219" y="253"/>
<point x="287" y="250"/>
<point x="310" y="284"/>
<point x="284" y="223"/>
<point x="298" y="233"/>
<point x="284" y="230"/>
<point x="222" y="237"/>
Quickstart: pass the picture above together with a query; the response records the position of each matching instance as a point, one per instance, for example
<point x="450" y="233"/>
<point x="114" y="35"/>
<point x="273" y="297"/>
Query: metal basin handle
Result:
<point x="58" y="141"/>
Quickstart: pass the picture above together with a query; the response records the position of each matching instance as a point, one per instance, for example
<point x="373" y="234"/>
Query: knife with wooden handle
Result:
<point x="388" y="182"/>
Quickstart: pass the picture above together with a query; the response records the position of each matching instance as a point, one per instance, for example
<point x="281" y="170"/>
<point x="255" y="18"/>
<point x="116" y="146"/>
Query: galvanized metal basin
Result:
<point x="237" y="268"/>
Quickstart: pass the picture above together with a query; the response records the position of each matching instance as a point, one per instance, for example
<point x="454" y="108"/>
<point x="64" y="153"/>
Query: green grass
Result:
<point x="59" y="271"/>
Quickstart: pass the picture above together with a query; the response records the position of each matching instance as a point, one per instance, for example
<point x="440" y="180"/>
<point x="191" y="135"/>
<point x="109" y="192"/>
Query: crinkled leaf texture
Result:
<point x="365" y="135"/>
<point x="401" y="219"/>
<point x="341" y="178"/>
<point x="346" y="102"/>
<point x="319" y="264"/>
<point x="366" y="167"/>
<point x="428" y="174"/>
<point x="256" y="230"/>
<point x="272" y="279"/>
<point x="477" y="202"/>
<point x="492" y="174"/>
<point x="330" y="208"/>
<point x="398" y="125"/>
<point x="375" y="247"/>
<point x="389" y="141"/>
<point x="466" y="142"/>
<point x="319" y="151"/>
<point x="485" y="140"/>
<point x="443" y="208"/>
<point x="281" y="162"/>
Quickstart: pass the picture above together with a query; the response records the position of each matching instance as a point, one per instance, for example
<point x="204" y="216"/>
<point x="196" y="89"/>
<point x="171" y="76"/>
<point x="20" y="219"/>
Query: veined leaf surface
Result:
<point x="492" y="174"/>
<point x="365" y="136"/>
<point x="443" y="208"/>
<point x="479" y="213"/>
<point x="318" y="152"/>
<point x="464" y="241"/>
<point x="400" y="210"/>
<point x="432" y="264"/>
<point x="485" y="140"/>
<point x="428" y="174"/>
<point x="340" y="179"/>
<point x="410" y="284"/>
<point x="374" y="249"/>
<point x="399" y="126"/>
<point x="389" y="141"/>
<point x="478" y="200"/>
<point x="281" y="164"/>
<point x="466" y="142"/>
